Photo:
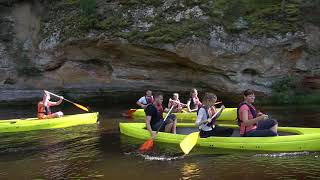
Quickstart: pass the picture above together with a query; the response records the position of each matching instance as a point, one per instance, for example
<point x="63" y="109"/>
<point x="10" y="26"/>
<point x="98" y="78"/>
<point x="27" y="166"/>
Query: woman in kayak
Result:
<point x="251" y="122"/>
<point x="154" y="118"/>
<point x="205" y="120"/>
<point x="175" y="102"/>
<point x="193" y="103"/>
<point x="145" y="100"/>
<point x="44" y="111"/>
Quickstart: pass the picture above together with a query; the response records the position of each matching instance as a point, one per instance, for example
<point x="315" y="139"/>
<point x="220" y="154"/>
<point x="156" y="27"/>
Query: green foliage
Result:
<point x="88" y="7"/>
<point x="141" y="2"/>
<point x="113" y="23"/>
<point x="88" y="19"/>
<point x="263" y="16"/>
<point x="289" y="91"/>
<point x="170" y="33"/>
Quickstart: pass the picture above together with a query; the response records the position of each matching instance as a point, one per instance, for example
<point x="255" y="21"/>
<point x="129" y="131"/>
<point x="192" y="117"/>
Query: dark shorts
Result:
<point x="263" y="129"/>
<point x="171" y="118"/>
<point x="217" y="131"/>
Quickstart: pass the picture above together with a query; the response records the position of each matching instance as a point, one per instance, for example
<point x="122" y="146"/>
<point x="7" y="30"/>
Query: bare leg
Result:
<point x="174" y="127"/>
<point x="168" y="128"/>
<point x="275" y="128"/>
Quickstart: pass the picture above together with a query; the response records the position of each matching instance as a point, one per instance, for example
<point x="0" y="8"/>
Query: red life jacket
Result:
<point x="173" y="102"/>
<point x="149" y="99"/>
<point x="42" y="110"/>
<point x="160" y="110"/>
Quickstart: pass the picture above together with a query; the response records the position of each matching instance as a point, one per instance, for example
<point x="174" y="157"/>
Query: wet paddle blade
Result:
<point x="129" y="113"/>
<point x="189" y="142"/>
<point x="81" y="107"/>
<point x="146" y="146"/>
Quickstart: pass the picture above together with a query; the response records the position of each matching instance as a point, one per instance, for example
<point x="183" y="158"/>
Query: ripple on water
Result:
<point x="155" y="157"/>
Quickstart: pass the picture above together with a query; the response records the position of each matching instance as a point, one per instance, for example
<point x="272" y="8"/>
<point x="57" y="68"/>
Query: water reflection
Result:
<point x="190" y="171"/>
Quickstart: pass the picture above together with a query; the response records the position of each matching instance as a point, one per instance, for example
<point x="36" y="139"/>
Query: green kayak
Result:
<point x="299" y="139"/>
<point x="16" y="125"/>
<point x="227" y="114"/>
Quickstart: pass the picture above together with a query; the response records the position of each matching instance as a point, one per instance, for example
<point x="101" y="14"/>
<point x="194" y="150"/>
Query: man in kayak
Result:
<point x="205" y="120"/>
<point x="251" y="122"/>
<point x="176" y="102"/>
<point x="44" y="111"/>
<point x="145" y="100"/>
<point x="193" y="103"/>
<point x="154" y="118"/>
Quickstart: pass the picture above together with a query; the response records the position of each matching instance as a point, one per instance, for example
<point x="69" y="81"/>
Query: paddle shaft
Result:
<point x="165" y="119"/>
<point x="59" y="97"/>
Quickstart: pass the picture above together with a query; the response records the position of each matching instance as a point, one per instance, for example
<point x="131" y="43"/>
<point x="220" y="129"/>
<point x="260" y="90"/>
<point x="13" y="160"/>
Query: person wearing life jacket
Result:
<point x="154" y="118"/>
<point x="44" y="111"/>
<point x="193" y="103"/>
<point x="175" y="102"/>
<point x="145" y="100"/>
<point x="251" y="122"/>
<point x="207" y="126"/>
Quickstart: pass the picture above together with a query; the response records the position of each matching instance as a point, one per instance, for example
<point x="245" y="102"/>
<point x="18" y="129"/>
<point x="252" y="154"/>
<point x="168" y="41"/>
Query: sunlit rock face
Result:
<point x="43" y="46"/>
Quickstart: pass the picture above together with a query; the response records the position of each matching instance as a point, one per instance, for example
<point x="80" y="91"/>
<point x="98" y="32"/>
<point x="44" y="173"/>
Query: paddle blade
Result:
<point x="129" y="113"/>
<point x="81" y="107"/>
<point x="146" y="146"/>
<point x="189" y="142"/>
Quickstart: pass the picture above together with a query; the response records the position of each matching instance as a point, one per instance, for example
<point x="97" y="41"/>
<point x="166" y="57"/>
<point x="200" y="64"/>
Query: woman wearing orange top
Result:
<point x="44" y="111"/>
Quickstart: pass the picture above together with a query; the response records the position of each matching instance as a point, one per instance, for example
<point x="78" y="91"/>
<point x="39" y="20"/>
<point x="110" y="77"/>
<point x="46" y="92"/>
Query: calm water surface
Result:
<point x="100" y="152"/>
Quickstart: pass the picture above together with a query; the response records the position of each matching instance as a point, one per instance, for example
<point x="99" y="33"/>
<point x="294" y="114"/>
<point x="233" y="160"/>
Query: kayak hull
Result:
<point x="227" y="114"/>
<point x="30" y="124"/>
<point x="305" y="139"/>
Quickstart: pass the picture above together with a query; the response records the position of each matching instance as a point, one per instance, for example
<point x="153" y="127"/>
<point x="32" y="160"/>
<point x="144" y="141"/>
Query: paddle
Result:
<point x="190" y="140"/>
<point x="129" y="113"/>
<point x="146" y="146"/>
<point x="78" y="105"/>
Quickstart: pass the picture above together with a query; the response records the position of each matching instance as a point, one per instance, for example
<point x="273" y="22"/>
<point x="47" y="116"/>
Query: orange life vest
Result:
<point x="42" y="110"/>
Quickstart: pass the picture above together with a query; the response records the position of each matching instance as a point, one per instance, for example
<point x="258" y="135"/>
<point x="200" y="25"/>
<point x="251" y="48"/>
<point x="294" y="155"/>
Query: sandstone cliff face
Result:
<point x="44" y="46"/>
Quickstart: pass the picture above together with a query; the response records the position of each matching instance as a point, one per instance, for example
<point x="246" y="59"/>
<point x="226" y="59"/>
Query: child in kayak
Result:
<point x="193" y="103"/>
<point x="206" y="124"/>
<point x="145" y="100"/>
<point x="176" y="102"/>
<point x="44" y="111"/>
<point x="154" y="118"/>
<point x="253" y="123"/>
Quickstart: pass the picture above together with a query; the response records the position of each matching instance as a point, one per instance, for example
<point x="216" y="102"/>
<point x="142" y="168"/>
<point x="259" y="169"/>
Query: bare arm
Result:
<point x="56" y="103"/>
<point x="199" y="120"/>
<point x="152" y="133"/>
<point x="140" y="104"/>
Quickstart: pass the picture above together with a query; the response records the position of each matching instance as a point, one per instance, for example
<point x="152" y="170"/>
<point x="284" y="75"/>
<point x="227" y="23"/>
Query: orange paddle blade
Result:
<point x="146" y="146"/>
<point x="129" y="113"/>
<point x="81" y="107"/>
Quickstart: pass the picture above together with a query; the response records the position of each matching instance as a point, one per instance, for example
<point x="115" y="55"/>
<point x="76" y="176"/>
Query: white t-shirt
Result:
<point x="202" y="116"/>
<point x="143" y="100"/>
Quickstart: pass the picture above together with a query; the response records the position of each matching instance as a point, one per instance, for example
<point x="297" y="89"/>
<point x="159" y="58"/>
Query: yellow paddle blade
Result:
<point x="81" y="107"/>
<point x="189" y="142"/>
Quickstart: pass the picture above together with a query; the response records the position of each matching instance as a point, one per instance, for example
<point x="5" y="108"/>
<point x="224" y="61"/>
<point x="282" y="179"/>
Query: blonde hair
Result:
<point x="208" y="98"/>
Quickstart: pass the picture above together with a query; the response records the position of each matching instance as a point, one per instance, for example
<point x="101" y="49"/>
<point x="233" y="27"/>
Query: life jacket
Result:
<point x="42" y="109"/>
<point x="149" y="100"/>
<point x="194" y="103"/>
<point x="171" y="103"/>
<point x="213" y="122"/>
<point x="160" y="111"/>
<point x="252" y="110"/>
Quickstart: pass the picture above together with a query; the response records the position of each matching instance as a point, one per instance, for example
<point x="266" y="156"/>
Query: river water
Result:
<point x="100" y="152"/>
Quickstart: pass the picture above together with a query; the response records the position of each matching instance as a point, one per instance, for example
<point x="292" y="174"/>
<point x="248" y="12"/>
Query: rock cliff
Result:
<point x="95" y="48"/>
